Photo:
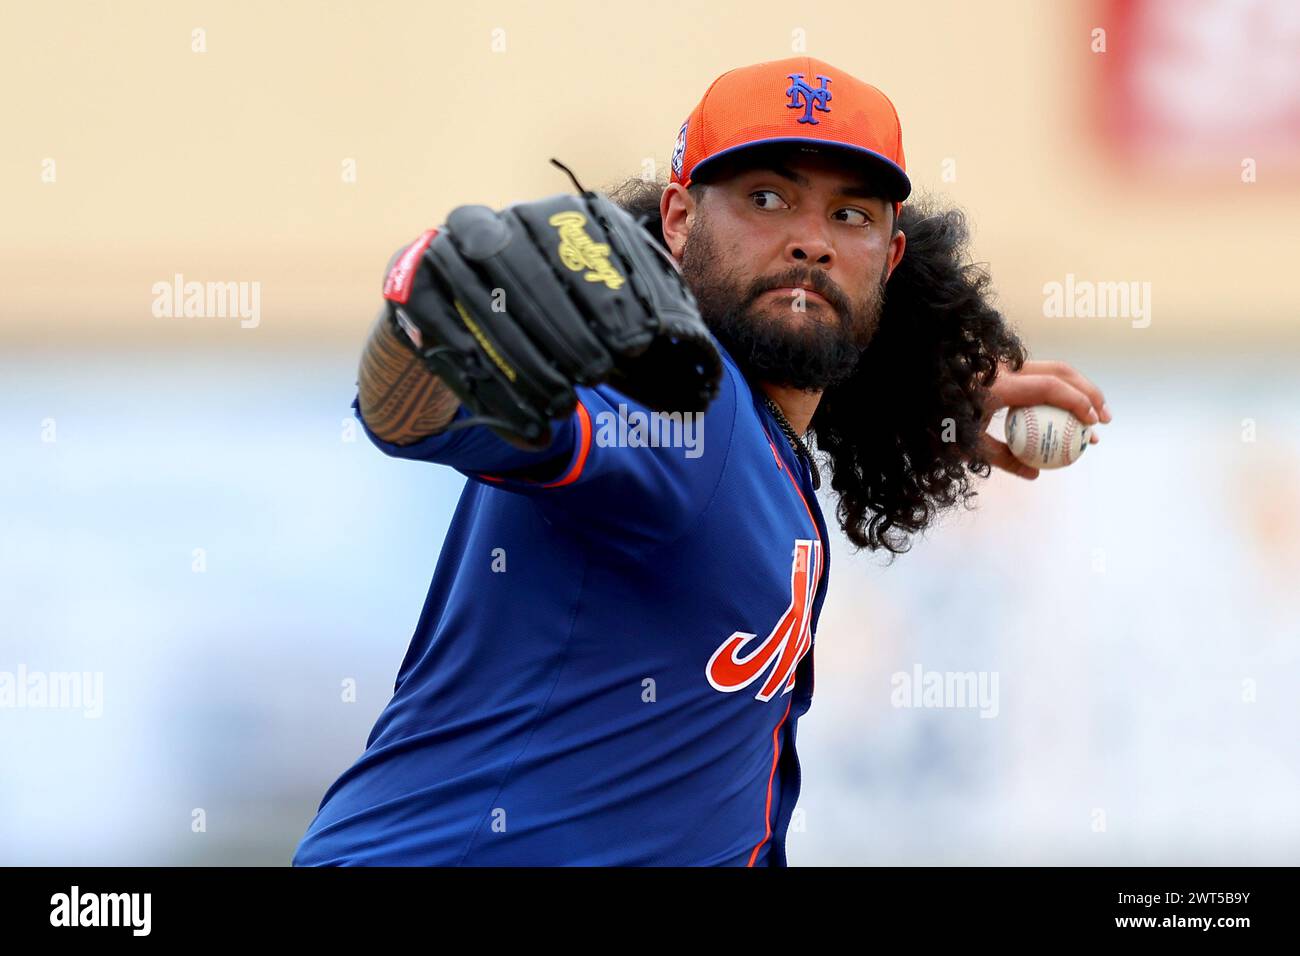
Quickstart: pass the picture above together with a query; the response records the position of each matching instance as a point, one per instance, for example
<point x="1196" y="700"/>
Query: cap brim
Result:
<point x="893" y="179"/>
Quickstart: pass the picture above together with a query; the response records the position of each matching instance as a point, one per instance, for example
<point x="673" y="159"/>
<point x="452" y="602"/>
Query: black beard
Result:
<point x="810" y="355"/>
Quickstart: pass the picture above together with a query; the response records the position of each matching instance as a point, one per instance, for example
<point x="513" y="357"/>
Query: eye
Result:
<point x="767" y="192"/>
<point x="865" y="220"/>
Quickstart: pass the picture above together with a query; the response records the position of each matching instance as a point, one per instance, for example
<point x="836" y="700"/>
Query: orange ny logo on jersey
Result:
<point x="729" y="670"/>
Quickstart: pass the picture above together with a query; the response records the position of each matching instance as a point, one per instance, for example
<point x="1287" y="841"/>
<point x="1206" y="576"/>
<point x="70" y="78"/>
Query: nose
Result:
<point x="808" y="245"/>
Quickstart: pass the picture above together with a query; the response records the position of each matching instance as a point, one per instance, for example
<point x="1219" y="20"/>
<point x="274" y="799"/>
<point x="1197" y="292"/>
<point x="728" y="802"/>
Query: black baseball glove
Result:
<point x="510" y="309"/>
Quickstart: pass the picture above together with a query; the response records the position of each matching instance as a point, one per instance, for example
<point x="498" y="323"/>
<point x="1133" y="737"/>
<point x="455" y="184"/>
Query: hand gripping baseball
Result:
<point x="512" y="308"/>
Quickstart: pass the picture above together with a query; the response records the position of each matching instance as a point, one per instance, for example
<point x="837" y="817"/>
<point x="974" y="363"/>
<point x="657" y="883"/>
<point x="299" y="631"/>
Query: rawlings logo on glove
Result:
<point x="578" y="251"/>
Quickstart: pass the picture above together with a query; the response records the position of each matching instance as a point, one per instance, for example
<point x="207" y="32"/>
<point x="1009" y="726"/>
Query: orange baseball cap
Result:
<point x="797" y="100"/>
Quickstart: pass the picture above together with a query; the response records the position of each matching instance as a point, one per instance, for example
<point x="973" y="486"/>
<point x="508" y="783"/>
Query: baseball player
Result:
<point x="618" y="641"/>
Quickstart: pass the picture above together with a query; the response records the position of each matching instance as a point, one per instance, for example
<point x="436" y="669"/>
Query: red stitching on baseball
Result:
<point x="1031" y="429"/>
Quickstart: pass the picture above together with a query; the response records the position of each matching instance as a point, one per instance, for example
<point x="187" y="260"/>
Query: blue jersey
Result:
<point x="613" y="655"/>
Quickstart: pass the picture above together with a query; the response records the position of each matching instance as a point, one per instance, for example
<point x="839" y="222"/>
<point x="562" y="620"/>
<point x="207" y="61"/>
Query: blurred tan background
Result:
<point x="229" y="164"/>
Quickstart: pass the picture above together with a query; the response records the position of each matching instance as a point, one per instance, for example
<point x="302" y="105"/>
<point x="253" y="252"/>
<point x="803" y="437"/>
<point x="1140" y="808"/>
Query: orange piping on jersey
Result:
<point x="776" y="746"/>
<point x="584" y="446"/>
<point x="575" y="470"/>
<point x="821" y="553"/>
<point x="767" y="810"/>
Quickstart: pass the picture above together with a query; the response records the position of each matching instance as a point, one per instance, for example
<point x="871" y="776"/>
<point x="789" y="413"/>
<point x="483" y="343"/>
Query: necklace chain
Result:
<point x="796" y="443"/>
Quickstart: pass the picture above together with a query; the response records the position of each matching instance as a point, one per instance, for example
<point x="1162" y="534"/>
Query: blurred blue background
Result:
<point x="1122" y="603"/>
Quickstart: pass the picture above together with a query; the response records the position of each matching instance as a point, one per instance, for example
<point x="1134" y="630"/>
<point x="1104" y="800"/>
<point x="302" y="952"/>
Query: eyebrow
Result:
<point x="857" y="191"/>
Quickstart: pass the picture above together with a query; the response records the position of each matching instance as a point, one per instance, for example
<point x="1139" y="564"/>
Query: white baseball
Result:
<point x="1044" y="436"/>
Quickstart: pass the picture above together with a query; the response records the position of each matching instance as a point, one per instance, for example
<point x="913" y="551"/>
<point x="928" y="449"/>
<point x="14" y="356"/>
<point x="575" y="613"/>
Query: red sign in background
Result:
<point x="1196" y="87"/>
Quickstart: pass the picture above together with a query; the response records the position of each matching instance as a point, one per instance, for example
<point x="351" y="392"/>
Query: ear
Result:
<point x="897" y="243"/>
<point x="677" y="210"/>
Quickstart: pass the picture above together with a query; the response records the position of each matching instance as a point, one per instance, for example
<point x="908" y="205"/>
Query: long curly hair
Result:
<point x="901" y="437"/>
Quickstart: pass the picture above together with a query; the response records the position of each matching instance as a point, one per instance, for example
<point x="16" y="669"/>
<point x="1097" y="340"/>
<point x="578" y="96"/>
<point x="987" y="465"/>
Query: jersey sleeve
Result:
<point x="613" y="470"/>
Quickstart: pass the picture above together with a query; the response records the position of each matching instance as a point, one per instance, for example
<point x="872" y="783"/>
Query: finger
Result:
<point x="1077" y="379"/>
<point x="997" y="454"/>
<point x="1043" y="389"/>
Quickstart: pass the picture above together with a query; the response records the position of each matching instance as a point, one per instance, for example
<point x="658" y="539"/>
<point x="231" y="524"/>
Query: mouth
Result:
<point x="789" y="292"/>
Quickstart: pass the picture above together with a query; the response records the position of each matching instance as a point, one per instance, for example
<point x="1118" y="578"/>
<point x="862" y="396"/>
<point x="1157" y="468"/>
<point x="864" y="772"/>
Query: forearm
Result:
<point x="400" y="399"/>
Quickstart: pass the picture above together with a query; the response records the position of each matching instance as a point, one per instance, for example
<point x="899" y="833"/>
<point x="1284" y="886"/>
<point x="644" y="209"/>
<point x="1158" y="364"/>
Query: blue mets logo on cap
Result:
<point x="679" y="149"/>
<point x="811" y="98"/>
